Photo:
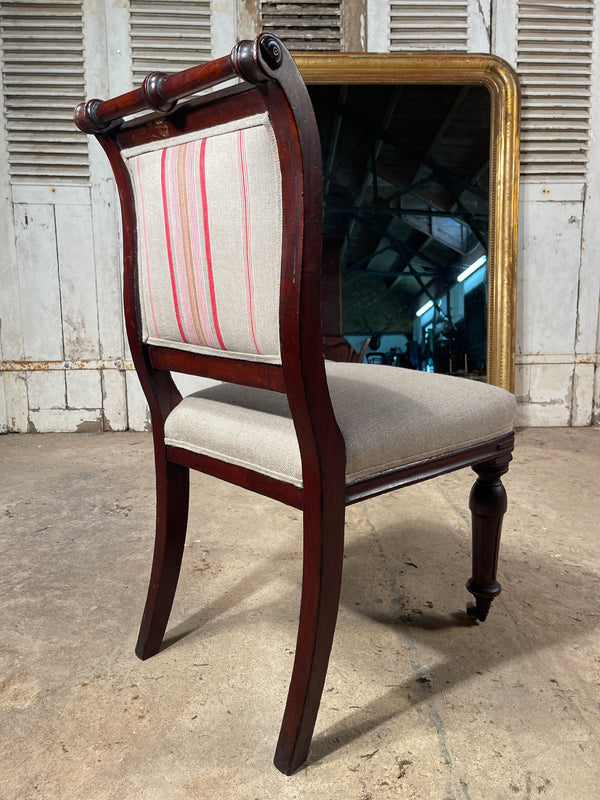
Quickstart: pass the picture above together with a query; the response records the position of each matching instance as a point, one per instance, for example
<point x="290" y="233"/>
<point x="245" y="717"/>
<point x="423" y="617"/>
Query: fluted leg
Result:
<point x="488" y="504"/>
<point x="172" y="499"/>
<point x="321" y="581"/>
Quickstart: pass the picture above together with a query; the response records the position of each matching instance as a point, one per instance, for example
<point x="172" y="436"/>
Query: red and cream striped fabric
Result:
<point x="208" y="210"/>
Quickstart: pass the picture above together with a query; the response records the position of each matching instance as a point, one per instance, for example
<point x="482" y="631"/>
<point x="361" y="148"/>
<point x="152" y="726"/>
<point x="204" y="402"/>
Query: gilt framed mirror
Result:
<point x="421" y="168"/>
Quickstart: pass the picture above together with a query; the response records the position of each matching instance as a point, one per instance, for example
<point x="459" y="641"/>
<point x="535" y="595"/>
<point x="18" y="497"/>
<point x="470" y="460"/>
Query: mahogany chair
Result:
<point x="221" y="206"/>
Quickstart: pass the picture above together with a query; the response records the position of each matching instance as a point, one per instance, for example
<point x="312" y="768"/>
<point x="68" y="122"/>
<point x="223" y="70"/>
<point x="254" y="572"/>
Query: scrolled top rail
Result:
<point x="253" y="61"/>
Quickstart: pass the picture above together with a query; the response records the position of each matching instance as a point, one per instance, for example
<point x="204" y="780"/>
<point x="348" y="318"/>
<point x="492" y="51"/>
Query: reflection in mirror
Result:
<point x="391" y="125"/>
<point x="406" y="220"/>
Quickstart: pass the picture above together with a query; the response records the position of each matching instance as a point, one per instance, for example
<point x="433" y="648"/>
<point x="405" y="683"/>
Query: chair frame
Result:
<point x="271" y="81"/>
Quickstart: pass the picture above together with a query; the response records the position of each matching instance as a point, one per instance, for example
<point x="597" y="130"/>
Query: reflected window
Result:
<point x="406" y="210"/>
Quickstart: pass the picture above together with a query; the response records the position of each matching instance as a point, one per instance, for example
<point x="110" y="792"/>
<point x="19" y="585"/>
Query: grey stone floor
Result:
<point x="418" y="703"/>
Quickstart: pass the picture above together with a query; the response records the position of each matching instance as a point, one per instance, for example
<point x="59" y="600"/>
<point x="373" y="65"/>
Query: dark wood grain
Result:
<point x="159" y="92"/>
<point x="321" y="582"/>
<point x="488" y="505"/>
<point x="429" y="468"/>
<point x="172" y="501"/>
<point x="231" y="370"/>
<point x="232" y="473"/>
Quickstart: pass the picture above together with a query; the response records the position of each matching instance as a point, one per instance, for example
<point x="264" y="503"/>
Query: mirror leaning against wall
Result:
<point x="420" y="163"/>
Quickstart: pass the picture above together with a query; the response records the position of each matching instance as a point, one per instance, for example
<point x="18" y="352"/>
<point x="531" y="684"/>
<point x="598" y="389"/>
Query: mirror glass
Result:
<point x="421" y="179"/>
<point x="406" y="220"/>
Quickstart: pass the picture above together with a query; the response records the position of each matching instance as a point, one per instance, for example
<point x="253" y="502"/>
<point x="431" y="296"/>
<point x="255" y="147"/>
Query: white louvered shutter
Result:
<point x="43" y="80"/>
<point x="554" y="55"/>
<point x="429" y="25"/>
<point x="168" y="35"/>
<point x="304" y="24"/>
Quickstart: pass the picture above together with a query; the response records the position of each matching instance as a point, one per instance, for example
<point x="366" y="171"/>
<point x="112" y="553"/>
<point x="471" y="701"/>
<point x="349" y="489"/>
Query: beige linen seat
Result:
<point x="221" y="200"/>
<point x="388" y="417"/>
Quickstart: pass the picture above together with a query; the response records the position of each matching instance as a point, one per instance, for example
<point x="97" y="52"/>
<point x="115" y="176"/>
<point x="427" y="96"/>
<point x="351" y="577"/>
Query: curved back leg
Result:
<point x="172" y="502"/>
<point x="321" y="582"/>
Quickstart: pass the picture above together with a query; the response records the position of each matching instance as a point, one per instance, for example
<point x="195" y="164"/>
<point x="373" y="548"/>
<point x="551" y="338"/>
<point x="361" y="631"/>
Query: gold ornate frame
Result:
<point x="501" y="81"/>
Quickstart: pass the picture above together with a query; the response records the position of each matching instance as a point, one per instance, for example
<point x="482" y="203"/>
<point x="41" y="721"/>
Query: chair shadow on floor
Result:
<point x="527" y="617"/>
<point x="516" y="620"/>
<point x="246" y="587"/>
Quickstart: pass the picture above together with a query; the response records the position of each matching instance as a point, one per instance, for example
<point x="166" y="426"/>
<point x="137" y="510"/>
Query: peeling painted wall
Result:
<point x="64" y="362"/>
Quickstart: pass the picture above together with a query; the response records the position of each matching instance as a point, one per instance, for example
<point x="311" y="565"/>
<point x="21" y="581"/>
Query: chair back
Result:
<point x="221" y="206"/>
<point x="221" y="202"/>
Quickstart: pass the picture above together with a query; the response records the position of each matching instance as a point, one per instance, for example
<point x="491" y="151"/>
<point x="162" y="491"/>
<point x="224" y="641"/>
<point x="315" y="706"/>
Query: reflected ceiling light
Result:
<point x="473" y="268"/>
<point x="426" y="307"/>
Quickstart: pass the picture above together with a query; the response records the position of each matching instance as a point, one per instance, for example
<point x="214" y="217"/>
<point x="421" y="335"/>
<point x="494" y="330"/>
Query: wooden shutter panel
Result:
<point x="168" y="35"/>
<point x="304" y="24"/>
<point x="554" y="56"/>
<point x="43" y="79"/>
<point x="428" y="25"/>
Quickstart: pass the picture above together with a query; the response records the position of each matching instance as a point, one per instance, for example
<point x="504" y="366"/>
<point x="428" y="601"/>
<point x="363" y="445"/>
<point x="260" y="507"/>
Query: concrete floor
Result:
<point x="419" y="703"/>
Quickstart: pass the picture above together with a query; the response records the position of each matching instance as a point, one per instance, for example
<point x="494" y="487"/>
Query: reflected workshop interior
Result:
<point x="406" y="220"/>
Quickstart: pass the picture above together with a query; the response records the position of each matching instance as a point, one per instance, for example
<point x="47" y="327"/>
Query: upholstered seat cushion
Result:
<point x="388" y="416"/>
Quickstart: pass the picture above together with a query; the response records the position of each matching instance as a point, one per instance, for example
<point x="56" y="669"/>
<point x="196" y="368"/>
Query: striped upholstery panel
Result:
<point x="208" y="209"/>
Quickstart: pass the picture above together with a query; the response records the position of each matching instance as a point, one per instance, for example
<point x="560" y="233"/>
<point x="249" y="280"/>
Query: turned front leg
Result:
<point x="488" y="504"/>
